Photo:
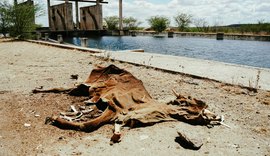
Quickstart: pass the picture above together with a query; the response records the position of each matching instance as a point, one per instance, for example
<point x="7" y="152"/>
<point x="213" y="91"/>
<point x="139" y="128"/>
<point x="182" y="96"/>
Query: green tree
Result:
<point x="4" y="17"/>
<point x="130" y="23"/>
<point x="158" y="23"/>
<point x="183" y="21"/>
<point x="21" y="18"/>
<point x="112" y="22"/>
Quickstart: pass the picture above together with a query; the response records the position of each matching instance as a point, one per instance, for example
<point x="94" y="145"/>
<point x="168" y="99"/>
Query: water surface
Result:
<point x="251" y="53"/>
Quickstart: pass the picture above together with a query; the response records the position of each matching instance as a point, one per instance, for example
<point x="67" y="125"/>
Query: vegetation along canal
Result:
<point x="251" y="53"/>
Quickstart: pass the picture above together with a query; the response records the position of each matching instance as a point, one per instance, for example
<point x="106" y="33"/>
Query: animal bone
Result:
<point x="222" y="123"/>
<point x="70" y="118"/>
<point x="117" y="134"/>
<point x="175" y="93"/>
<point x="87" y="111"/>
<point x="73" y="109"/>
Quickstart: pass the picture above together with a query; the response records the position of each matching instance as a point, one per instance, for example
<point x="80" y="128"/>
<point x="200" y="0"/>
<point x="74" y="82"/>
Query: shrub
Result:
<point x="158" y="23"/>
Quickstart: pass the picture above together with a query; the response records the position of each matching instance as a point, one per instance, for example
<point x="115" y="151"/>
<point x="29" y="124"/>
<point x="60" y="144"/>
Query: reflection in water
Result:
<point x="252" y="53"/>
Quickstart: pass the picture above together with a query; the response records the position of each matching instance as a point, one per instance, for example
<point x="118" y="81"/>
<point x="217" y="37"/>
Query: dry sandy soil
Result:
<point x="25" y="66"/>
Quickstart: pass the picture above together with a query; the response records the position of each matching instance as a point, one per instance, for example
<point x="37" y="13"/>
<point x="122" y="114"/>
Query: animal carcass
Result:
<point x="123" y="100"/>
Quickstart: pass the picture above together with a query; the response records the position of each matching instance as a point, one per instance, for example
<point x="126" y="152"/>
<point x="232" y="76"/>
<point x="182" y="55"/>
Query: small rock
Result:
<point x="235" y="146"/>
<point x="208" y="140"/>
<point x="37" y="115"/>
<point x="38" y="146"/>
<point x="75" y="76"/>
<point x="61" y="138"/>
<point x="40" y="87"/>
<point x="184" y="141"/>
<point x="27" y="125"/>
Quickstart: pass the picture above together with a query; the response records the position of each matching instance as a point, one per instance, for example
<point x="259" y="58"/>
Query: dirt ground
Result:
<point x="25" y="66"/>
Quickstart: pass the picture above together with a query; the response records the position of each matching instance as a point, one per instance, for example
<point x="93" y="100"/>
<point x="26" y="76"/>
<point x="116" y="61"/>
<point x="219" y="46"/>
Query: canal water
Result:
<point x="251" y="53"/>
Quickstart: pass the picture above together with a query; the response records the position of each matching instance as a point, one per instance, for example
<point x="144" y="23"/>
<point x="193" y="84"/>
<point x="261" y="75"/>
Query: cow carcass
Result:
<point x="119" y="97"/>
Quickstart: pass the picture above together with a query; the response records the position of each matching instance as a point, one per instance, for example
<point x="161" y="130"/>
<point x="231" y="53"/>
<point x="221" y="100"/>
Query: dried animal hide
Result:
<point x="123" y="99"/>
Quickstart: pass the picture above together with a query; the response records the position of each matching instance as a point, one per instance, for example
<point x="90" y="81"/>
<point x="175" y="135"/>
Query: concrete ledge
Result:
<point x="246" y="76"/>
<point x="223" y="72"/>
<point x="66" y="46"/>
<point x="230" y="36"/>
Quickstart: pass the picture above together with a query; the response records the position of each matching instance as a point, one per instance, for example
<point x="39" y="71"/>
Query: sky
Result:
<point x="215" y="12"/>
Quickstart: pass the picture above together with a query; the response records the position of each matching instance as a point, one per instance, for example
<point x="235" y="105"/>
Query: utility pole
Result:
<point x="120" y="16"/>
<point x="49" y="14"/>
<point x="77" y="15"/>
<point x="121" y="32"/>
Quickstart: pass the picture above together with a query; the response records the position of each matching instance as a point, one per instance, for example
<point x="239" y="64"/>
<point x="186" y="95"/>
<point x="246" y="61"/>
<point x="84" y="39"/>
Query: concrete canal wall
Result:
<point x="223" y="72"/>
<point x="207" y="35"/>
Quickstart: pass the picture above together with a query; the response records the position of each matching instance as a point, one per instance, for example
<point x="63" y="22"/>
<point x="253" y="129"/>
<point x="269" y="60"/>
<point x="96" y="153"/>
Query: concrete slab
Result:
<point x="67" y="46"/>
<point x="224" y="72"/>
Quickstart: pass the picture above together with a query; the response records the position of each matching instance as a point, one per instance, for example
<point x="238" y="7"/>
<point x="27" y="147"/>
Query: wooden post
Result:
<point x="220" y="36"/>
<point x="46" y="36"/>
<point x="84" y="42"/>
<point x="60" y="38"/>
<point x="170" y="34"/>
<point x="38" y="35"/>
<point x="133" y="33"/>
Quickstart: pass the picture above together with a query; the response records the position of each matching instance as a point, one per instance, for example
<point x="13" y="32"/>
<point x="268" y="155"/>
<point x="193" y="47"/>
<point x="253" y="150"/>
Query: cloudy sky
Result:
<point x="222" y="12"/>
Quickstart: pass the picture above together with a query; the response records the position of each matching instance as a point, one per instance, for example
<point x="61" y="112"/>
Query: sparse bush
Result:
<point x="158" y="23"/>
<point x="201" y="24"/>
<point x="130" y="23"/>
<point x="112" y="22"/>
<point x="183" y="21"/>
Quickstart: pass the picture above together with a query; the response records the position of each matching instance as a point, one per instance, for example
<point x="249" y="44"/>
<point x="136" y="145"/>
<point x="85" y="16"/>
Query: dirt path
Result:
<point x="25" y="66"/>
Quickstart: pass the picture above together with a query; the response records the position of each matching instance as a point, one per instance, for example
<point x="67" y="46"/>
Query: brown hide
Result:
<point x="118" y="86"/>
<point x="123" y="99"/>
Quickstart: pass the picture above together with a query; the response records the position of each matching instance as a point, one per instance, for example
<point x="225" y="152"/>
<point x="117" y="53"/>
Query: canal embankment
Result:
<point x="227" y="36"/>
<point x="246" y="76"/>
